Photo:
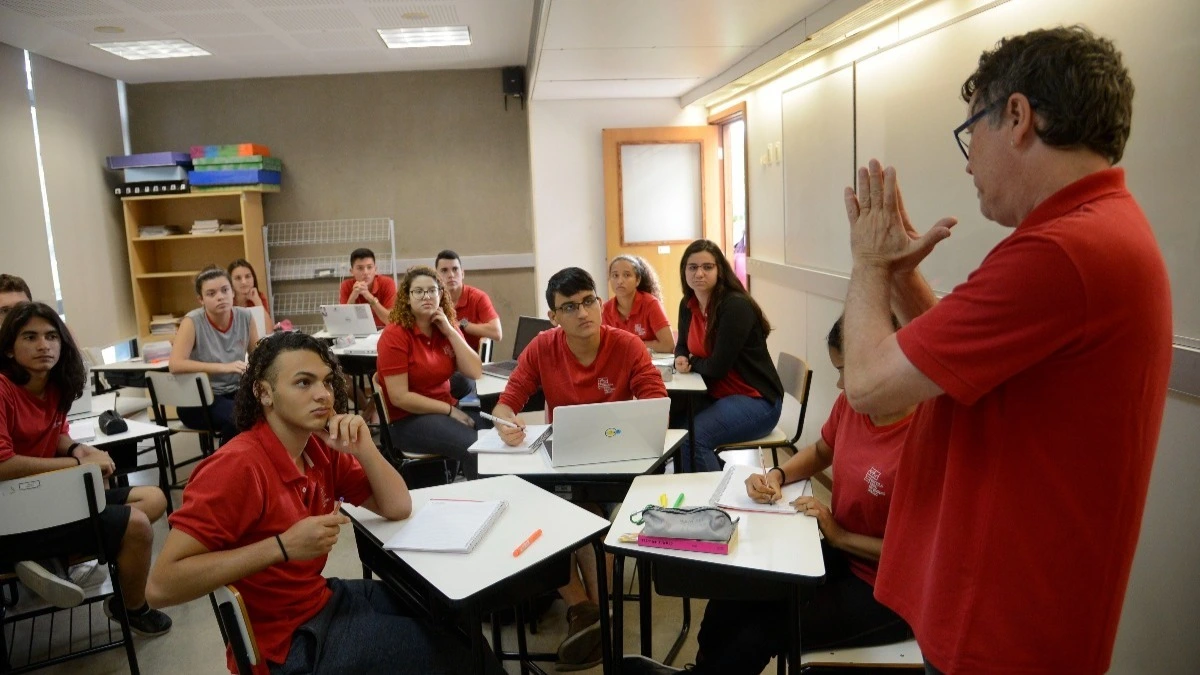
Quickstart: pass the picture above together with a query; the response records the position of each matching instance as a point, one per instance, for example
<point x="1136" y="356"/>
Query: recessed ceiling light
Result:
<point x="432" y="36"/>
<point x="414" y="16"/>
<point x="151" y="49"/>
<point x="109" y="29"/>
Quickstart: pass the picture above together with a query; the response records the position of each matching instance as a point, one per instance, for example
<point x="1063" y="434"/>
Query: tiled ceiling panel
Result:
<point x="218" y="23"/>
<point x="261" y="4"/>
<point x="406" y="15"/>
<point x="134" y="29"/>
<point x="153" y="6"/>
<point x="236" y="45"/>
<point x="337" y="39"/>
<point x="312" y="18"/>
<point x="59" y="9"/>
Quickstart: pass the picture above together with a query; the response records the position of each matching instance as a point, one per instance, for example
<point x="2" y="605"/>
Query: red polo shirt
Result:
<point x="622" y="371"/>
<point x="250" y="491"/>
<point x="646" y="317"/>
<point x="1020" y="492"/>
<point x="383" y="288"/>
<point x="29" y="426"/>
<point x="429" y="362"/>
<point x="730" y="385"/>
<point x="475" y="306"/>
<point x="263" y="299"/>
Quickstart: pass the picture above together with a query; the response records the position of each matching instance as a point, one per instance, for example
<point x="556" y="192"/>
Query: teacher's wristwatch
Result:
<point x="463" y="323"/>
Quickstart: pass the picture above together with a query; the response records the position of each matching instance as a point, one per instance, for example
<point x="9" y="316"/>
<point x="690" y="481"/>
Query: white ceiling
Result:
<point x="584" y="48"/>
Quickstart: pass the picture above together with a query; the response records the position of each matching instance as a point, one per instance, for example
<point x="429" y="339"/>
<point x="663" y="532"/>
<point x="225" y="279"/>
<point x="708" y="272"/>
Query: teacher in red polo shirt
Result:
<point x="419" y="350"/>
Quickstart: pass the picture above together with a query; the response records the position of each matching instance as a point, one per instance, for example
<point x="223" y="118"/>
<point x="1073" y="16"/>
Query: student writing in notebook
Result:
<point x="723" y="337"/>
<point x="261" y="515"/>
<point x="419" y="350"/>
<point x="579" y="361"/>
<point x="636" y="304"/>
<point x="246" y="292"/>
<point x="366" y="287"/>
<point x="214" y="339"/>
<point x="740" y="637"/>
<point x="41" y="373"/>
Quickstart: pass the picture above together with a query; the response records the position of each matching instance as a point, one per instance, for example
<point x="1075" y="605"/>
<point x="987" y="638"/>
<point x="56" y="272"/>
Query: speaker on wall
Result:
<point x="512" y="80"/>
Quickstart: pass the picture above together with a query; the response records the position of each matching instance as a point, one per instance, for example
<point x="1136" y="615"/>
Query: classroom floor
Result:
<point x="194" y="647"/>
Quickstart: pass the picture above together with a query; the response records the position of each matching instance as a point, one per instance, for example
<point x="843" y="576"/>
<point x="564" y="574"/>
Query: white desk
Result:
<point x="124" y="405"/>
<point x="680" y="382"/>
<point x="537" y="463"/>
<point x="489" y="577"/>
<point x="132" y="365"/>
<point x="138" y="431"/>
<point x="772" y="550"/>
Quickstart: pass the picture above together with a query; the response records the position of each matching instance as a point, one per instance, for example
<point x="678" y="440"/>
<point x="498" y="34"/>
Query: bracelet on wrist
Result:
<point x="282" y="549"/>
<point x="71" y="450"/>
<point x="450" y="411"/>
<point x="782" y="475"/>
<point x="78" y="462"/>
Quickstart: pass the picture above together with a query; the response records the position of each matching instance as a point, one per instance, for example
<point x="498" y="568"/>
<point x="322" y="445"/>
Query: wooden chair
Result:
<point x="191" y="390"/>
<point x="46" y="500"/>
<point x="899" y="656"/>
<point x="796" y="377"/>
<point x="236" y="630"/>
<point x="408" y="463"/>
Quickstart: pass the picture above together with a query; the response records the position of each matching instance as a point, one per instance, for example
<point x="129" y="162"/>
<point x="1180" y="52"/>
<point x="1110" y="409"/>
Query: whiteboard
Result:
<point x="906" y="103"/>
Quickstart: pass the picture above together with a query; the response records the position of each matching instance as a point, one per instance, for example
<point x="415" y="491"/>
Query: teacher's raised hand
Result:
<point x="880" y="230"/>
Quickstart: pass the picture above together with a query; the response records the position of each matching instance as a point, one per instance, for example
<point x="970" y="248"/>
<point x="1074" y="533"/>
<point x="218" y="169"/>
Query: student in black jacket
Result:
<point x="723" y="336"/>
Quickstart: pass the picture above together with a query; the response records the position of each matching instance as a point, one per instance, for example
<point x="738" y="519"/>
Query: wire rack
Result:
<point x="330" y="267"/>
<point x="329" y="231"/>
<point x="308" y="302"/>
<point x="309" y="328"/>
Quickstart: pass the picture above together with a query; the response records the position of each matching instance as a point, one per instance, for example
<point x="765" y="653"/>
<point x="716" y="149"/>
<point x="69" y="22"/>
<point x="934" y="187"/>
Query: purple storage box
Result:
<point x="149" y="159"/>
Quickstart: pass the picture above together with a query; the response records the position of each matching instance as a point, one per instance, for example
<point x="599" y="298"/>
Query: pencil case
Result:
<point x="704" y="523"/>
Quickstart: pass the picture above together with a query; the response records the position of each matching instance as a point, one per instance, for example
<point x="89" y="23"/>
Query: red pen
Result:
<point x="527" y="543"/>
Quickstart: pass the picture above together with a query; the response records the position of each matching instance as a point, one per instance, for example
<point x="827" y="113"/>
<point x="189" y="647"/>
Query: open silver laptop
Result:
<point x="608" y="432"/>
<point x="82" y="407"/>
<point x="348" y="319"/>
<point x="528" y="327"/>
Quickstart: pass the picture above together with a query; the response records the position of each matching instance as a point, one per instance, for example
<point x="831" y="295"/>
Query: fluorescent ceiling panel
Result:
<point x="151" y="49"/>
<point x="431" y="36"/>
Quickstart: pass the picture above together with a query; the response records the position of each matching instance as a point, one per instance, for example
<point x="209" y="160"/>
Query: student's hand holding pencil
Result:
<point x="512" y="435"/>
<point x="764" y="489"/>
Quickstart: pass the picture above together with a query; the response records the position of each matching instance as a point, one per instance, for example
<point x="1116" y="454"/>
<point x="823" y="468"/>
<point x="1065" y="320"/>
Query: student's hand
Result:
<point x="880" y="232"/>
<point x="764" y="489"/>
<point x="362" y="289"/>
<point x="442" y="322"/>
<point x="461" y="417"/>
<point x="254" y="297"/>
<point x="512" y="436"/>
<point x="349" y="434"/>
<point x="234" y="367"/>
<point x="86" y="454"/>
<point x="811" y="506"/>
<point x="682" y="364"/>
<point x="313" y="537"/>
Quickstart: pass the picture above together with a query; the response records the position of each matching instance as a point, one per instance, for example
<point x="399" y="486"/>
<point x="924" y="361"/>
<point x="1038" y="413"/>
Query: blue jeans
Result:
<point x="364" y="629"/>
<point x="221" y="409"/>
<point x="728" y="420"/>
<point x="440" y="435"/>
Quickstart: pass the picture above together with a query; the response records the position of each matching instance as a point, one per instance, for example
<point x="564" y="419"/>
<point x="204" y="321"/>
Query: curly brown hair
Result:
<point x="246" y="405"/>
<point x="402" y="310"/>
<point x="1076" y="81"/>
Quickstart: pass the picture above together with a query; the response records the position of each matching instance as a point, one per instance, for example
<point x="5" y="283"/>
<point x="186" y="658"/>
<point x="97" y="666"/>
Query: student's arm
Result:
<point x="350" y="435"/>
<point x="466" y="360"/>
<point x="685" y="322"/>
<point x="853" y="543"/>
<point x="911" y="295"/>
<point x="347" y="291"/>
<point x="187" y="570"/>
<point x="381" y="304"/>
<point x="379" y="309"/>
<point x="181" y="352"/>
<point x="662" y="342"/>
<point x="491" y="330"/>
<point x="644" y="380"/>
<point x="20" y="466"/>
<point x="254" y="337"/>
<point x="508" y="434"/>
<point x="804" y="464"/>
<point x="410" y="401"/>
<point x="737" y="320"/>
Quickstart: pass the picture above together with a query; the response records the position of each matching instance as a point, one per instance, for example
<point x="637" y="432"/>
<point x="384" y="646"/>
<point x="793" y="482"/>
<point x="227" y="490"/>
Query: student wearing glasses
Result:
<point x="723" y="337"/>
<point x="214" y="338"/>
<point x="419" y="350"/>
<point x="579" y="361"/>
<point x="636" y="304"/>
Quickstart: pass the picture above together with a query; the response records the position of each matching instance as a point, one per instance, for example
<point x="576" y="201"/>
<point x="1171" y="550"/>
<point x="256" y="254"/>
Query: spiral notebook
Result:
<point x="731" y="492"/>
<point x="447" y="525"/>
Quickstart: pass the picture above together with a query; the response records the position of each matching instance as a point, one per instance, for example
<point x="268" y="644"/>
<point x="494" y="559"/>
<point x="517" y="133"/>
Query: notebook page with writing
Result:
<point x="489" y="441"/>
<point x="447" y="525"/>
<point x="731" y="492"/>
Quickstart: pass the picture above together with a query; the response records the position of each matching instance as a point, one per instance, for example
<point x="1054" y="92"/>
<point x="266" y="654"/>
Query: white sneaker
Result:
<point x="90" y="574"/>
<point x="53" y="588"/>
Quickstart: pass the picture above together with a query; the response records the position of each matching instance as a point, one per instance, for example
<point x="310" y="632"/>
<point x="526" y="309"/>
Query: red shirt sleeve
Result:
<point x="1000" y="321"/>
<point x="484" y="309"/>
<point x="387" y="291"/>
<point x="644" y="381"/>
<point x="349" y="480"/>
<point x="344" y="290"/>
<point x="7" y="420"/>
<point x="655" y="314"/>
<point x="527" y="376"/>
<point x="208" y="514"/>
<point x="393" y="350"/>
<point x="829" y="431"/>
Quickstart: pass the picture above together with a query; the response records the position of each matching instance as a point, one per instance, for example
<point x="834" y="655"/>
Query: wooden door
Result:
<point x="662" y="190"/>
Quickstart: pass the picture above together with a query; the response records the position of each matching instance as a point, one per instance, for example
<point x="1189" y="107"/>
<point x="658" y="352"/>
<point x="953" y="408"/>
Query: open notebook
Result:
<point x="731" y="492"/>
<point x="447" y="525"/>
<point x="489" y="441"/>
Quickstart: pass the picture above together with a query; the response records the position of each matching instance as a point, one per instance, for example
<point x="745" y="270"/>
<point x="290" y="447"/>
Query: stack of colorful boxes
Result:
<point x="152" y="173"/>
<point x="230" y="167"/>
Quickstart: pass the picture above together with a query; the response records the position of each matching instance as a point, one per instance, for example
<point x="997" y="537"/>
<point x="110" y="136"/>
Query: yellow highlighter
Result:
<point x="662" y="499"/>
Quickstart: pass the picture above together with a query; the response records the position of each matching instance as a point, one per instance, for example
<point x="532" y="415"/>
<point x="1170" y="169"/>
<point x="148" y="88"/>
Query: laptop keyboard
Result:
<point x="500" y="369"/>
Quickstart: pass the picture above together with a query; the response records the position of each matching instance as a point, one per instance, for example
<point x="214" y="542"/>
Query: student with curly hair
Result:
<point x="262" y="515"/>
<point x="636" y="304"/>
<point x="419" y="350"/>
<point x="41" y="374"/>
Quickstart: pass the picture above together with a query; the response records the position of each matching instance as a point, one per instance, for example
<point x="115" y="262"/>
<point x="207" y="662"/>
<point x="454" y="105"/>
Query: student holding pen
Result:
<point x="740" y="637"/>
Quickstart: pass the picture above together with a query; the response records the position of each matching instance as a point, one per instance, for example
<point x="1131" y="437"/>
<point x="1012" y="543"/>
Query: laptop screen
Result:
<point x="528" y="328"/>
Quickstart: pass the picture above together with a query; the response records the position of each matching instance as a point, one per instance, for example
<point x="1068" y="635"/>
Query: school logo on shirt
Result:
<point x="448" y="350"/>
<point x="874" y="485"/>
<point x="639" y="329"/>
<point x="604" y="385"/>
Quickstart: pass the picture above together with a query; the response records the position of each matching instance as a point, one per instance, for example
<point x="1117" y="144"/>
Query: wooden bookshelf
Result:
<point x="162" y="268"/>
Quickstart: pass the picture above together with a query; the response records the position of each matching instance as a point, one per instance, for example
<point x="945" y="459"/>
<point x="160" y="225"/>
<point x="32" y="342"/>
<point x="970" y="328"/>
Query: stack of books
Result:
<point x="164" y="324"/>
<point x="240" y="166"/>
<point x="151" y="173"/>
<point x="211" y="226"/>
<point x="157" y="230"/>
